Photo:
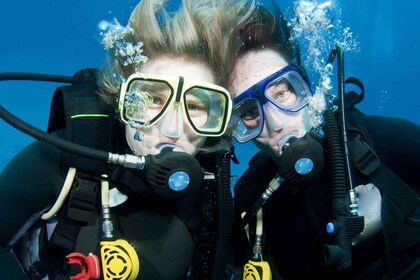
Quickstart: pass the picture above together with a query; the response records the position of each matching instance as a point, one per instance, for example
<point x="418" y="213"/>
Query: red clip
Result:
<point x="90" y="268"/>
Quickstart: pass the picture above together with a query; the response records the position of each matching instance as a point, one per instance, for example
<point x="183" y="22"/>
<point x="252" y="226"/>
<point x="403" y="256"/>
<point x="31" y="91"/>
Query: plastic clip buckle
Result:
<point x="363" y="157"/>
<point x="82" y="200"/>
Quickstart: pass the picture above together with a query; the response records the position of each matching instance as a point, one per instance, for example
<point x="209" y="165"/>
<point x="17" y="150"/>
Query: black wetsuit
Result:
<point x="168" y="236"/>
<point x="296" y="215"/>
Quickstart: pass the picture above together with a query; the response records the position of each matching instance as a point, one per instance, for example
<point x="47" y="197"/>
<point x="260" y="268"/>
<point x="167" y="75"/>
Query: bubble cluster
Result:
<point x="313" y="26"/>
<point x="317" y="26"/>
<point x="114" y="39"/>
<point x="135" y="104"/>
<point x="383" y="100"/>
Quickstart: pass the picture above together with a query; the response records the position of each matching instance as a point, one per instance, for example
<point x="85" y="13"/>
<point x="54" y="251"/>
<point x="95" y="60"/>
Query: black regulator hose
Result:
<point x="21" y="76"/>
<point x="60" y="143"/>
<point x="345" y="225"/>
<point x="173" y="174"/>
<point x="340" y="255"/>
<point x="129" y="161"/>
<point x="38" y="134"/>
<point x="224" y="215"/>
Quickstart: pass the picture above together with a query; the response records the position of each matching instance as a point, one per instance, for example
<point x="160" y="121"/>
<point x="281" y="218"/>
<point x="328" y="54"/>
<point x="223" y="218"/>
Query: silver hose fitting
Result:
<point x="129" y="161"/>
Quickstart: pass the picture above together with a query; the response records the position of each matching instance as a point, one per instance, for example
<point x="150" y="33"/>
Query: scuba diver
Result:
<point x="136" y="183"/>
<point x="338" y="201"/>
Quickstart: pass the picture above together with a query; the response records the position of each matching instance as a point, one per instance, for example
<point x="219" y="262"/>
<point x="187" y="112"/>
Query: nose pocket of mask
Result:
<point x="275" y="117"/>
<point x="172" y="124"/>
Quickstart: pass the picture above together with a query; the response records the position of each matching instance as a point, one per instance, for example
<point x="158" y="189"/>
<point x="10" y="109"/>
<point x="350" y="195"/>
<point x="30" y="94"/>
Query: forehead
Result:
<point x="179" y="66"/>
<point x="252" y="68"/>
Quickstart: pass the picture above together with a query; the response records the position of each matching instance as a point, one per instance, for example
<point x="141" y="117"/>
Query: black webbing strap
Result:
<point x="82" y="200"/>
<point x="369" y="164"/>
<point x="80" y="209"/>
<point x="88" y="120"/>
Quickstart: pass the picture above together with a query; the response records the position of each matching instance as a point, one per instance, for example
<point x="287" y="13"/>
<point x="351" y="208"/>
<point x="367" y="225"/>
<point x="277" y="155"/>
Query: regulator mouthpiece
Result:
<point x="173" y="173"/>
<point x="302" y="159"/>
<point x="173" y="147"/>
<point x="285" y="141"/>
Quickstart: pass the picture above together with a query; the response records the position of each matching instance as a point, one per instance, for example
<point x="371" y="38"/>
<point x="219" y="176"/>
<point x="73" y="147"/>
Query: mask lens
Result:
<point x="250" y="121"/>
<point x="146" y="100"/>
<point x="288" y="92"/>
<point x="206" y="109"/>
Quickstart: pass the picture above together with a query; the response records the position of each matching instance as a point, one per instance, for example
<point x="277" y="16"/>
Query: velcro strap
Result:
<point x="82" y="200"/>
<point x="369" y="164"/>
<point x="363" y="157"/>
<point x="81" y="210"/>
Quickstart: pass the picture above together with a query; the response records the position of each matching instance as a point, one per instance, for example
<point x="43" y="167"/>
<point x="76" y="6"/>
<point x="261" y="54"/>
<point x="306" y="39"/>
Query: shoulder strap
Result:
<point x="86" y="118"/>
<point x="80" y="210"/>
<point x="88" y="121"/>
<point x="369" y="164"/>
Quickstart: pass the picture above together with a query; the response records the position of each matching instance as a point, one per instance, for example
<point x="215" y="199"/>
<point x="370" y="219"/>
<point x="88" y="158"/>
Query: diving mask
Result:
<point x="286" y="89"/>
<point x="145" y="100"/>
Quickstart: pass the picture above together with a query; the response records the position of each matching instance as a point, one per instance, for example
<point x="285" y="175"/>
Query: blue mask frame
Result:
<point x="256" y="94"/>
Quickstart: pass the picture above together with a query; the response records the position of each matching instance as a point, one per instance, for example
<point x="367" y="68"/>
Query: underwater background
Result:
<point x="62" y="37"/>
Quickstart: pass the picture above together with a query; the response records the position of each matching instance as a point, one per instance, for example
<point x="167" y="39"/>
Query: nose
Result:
<point x="172" y="123"/>
<point x="275" y="117"/>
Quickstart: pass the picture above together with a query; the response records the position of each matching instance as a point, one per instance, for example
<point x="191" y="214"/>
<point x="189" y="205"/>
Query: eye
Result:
<point x="197" y="110"/>
<point x="197" y="102"/>
<point x="156" y="100"/>
<point x="248" y="109"/>
<point x="195" y="107"/>
<point x="250" y="114"/>
<point x="282" y="94"/>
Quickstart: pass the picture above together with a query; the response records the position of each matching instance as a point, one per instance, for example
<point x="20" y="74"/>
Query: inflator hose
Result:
<point x="339" y="201"/>
<point x="224" y="215"/>
<point x="340" y="253"/>
<point x="16" y="76"/>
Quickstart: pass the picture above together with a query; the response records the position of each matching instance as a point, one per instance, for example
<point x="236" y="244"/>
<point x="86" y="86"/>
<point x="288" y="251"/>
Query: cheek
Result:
<point x="140" y="142"/>
<point x="306" y="119"/>
<point x="298" y="121"/>
<point x="194" y="143"/>
<point x="129" y="133"/>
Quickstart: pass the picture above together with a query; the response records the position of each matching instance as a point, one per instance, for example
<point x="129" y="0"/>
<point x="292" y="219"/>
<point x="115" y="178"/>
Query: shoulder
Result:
<point x="38" y="164"/>
<point x="29" y="183"/>
<point x="397" y="142"/>
<point x="381" y="125"/>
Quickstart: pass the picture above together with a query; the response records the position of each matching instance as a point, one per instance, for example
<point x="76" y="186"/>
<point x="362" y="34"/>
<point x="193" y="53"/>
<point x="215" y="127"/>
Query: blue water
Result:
<point x="61" y="37"/>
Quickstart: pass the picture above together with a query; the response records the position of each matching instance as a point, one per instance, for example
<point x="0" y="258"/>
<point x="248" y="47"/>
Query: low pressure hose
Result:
<point x="224" y="215"/>
<point x="129" y="161"/>
<point x="345" y="225"/>
<point x="51" y="139"/>
<point x="19" y="76"/>
<point x="340" y="255"/>
<point x="37" y="133"/>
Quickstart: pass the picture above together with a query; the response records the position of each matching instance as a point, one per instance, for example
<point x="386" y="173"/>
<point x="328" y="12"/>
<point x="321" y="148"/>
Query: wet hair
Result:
<point x="198" y="30"/>
<point x="267" y="29"/>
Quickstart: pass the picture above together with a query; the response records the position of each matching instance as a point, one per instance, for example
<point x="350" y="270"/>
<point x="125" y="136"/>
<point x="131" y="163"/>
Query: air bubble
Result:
<point x="114" y="35"/>
<point x="318" y="28"/>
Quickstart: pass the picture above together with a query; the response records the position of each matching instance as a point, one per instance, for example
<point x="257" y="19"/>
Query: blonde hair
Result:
<point x="199" y="30"/>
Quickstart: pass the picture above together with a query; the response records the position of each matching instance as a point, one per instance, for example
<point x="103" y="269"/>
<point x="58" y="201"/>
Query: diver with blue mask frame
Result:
<point x="335" y="213"/>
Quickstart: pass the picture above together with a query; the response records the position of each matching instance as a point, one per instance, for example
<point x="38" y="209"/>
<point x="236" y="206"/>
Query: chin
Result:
<point x="267" y="149"/>
<point x="144" y="152"/>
